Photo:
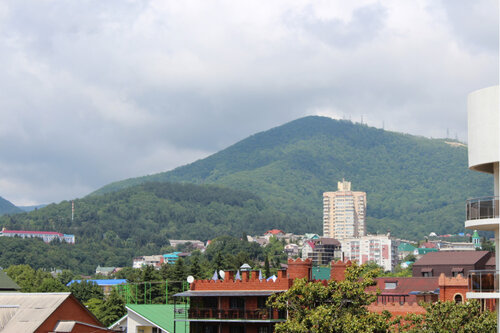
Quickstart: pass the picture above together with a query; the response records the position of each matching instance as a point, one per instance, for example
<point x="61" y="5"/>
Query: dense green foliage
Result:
<point x="414" y="185"/>
<point x="445" y="317"/>
<point x="7" y="207"/>
<point x="112" y="229"/>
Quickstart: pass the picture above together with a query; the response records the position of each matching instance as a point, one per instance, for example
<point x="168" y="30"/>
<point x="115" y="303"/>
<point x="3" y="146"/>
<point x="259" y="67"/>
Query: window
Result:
<point x="263" y="329"/>
<point x="237" y="303"/>
<point x="391" y="285"/>
<point x="458" y="299"/>
<point x="237" y="329"/>
<point x="426" y="274"/>
<point x="261" y="302"/>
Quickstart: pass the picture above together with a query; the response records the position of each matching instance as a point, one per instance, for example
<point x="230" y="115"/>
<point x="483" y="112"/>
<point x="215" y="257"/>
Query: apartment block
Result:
<point x="380" y="249"/>
<point x="344" y="212"/>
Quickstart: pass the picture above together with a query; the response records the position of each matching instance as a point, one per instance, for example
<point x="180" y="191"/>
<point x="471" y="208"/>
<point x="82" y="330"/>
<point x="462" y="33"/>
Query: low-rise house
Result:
<point x="197" y="244"/>
<point x="171" y="258"/>
<point x="291" y="250"/>
<point x="420" y="252"/>
<point x="451" y="263"/>
<point x="105" y="270"/>
<point x="405" y="249"/>
<point x="155" y="261"/>
<point x="157" y="318"/>
<point x="46" y="312"/>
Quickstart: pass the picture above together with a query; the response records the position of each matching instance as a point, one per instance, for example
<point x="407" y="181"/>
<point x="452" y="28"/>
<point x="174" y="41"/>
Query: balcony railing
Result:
<point x="482" y="208"/>
<point x="228" y="314"/>
<point x="483" y="281"/>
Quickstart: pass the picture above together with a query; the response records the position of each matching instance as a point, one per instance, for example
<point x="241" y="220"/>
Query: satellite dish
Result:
<point x="222" y="274"/>
<point x="190" y="279"/>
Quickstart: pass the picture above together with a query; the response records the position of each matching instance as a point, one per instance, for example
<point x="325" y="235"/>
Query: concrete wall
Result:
<point x="483" y="127"/>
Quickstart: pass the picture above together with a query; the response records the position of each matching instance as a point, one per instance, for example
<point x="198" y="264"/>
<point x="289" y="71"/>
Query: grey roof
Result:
<point x="25" y="312"/>
<point x="455" y="258"/>
<point x="6" y="283"/>
<point x="206" y="293"/>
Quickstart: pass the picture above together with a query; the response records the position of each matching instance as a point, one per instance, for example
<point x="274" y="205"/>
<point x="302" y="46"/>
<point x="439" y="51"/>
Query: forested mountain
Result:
<point x="7" y="207"/>
<point x="113" y="228"/>
<point x="414" y="185"/>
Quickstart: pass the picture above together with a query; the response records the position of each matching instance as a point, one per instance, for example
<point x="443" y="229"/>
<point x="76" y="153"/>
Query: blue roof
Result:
<point x="108" y="282"/>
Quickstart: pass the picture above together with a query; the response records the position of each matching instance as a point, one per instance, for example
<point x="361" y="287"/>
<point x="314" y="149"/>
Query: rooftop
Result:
<point x="160" y="315"/>
<point x="451" y="258"/>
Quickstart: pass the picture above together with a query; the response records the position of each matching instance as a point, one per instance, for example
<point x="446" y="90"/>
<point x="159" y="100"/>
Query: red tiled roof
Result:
<point x="455" y="258"/>
<point x="274" y="232"/>
<point x="32" y="232"/>
<point x="429" y="245"/>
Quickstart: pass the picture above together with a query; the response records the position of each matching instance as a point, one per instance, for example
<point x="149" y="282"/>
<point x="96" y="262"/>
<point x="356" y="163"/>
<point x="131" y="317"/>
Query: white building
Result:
<point x="155" y="260"/>
<point x="344" y="212"/>
<point x="380" y="249"/>
<point x="484" y="155"/>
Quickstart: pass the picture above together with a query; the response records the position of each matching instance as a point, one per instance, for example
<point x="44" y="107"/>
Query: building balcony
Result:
<point x="483" y="284"/>
<point x="229" y="315"/>
<point x="482" y="213"/>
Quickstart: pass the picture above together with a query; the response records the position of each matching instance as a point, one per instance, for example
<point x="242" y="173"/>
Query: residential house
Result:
<point x="105" y="270"/>
<point x="405" y="249"/>
<point x="156" y="261"/>
<point x="150" y="318"/>
<point x="46" y="312"/>
<point x="451" y="263"/>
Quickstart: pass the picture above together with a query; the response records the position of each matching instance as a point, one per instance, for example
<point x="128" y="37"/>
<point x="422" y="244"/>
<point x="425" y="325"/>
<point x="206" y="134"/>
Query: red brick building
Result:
<point x="233" y="305"/>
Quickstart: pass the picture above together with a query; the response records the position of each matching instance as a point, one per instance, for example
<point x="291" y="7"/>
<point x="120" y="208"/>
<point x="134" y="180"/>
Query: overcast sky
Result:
<point x="97" y="91"/>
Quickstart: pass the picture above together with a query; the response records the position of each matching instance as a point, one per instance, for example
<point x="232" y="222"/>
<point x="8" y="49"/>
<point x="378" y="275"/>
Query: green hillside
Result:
<point x="7" y="207"/>
<point x="113" y="228"/>
<point x="414" y="185"/>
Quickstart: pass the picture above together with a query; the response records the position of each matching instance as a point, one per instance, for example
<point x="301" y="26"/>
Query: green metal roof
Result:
<point x="321" y="273"/>
<point x="6" y="283"/>
<point x="161" y="315"/>
<point x="406" y="247"/>
<point x="425" y="250"/>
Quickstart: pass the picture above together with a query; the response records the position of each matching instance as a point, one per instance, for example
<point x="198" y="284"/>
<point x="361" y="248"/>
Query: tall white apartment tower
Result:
<point x="483" y="108"/>
<point x="344" y="212"/>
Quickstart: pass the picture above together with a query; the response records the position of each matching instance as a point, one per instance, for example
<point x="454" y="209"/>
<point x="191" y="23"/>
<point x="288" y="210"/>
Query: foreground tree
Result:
<point x="339" y="306"/>
<point x="444" y="317"/>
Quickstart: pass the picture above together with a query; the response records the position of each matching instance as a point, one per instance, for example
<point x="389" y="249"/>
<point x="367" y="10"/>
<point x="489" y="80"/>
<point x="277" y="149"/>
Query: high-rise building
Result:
<point x="344" y="212"/>
<point x="483" y="213"/>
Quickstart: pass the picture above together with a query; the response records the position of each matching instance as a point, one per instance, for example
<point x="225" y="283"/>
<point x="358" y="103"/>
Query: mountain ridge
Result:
<point x="407" y="178"/>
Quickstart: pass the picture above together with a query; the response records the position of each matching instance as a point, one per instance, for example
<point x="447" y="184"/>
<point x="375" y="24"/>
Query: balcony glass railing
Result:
<point x="227" y="314"/>
<point x="483" y="281"/>
<point x="482" y="208"/>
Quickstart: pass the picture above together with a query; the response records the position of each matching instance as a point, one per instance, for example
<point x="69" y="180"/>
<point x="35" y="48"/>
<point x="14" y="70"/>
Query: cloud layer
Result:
<point x="96" y="91"/>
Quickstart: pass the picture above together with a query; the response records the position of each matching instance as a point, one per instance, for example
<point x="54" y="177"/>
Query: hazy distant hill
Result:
<point x="113" y="228"/>
<point x="414" y="185"/>
<point x="7" y="207"/>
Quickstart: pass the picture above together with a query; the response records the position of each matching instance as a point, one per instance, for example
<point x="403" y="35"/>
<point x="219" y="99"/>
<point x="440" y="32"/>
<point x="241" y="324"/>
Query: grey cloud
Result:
<point x="93" y="92"/>
<point x="475" y="23"/>
<point x="365" y="24"/>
